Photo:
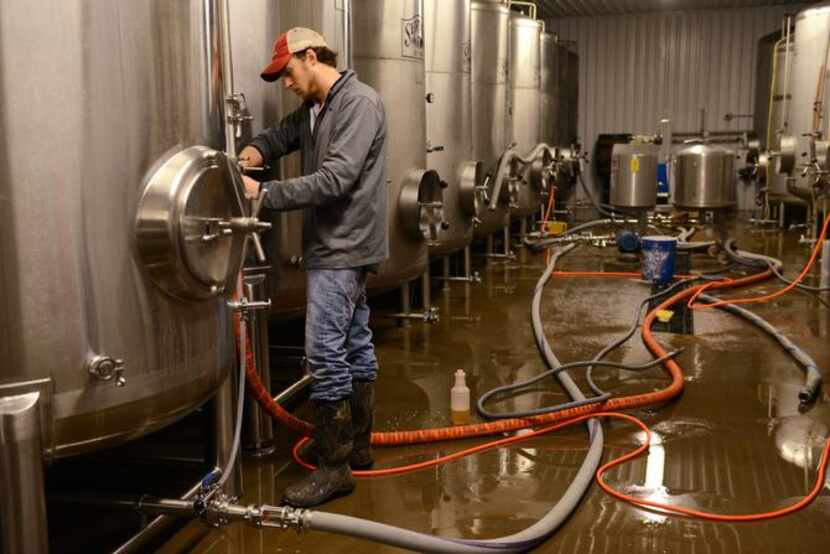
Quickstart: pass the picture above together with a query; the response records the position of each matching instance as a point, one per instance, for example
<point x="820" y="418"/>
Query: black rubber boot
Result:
<point x="332" y="478"/>
<point x="363" y="416"/>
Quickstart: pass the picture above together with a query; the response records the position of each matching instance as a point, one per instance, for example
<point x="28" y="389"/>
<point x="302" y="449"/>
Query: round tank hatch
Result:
<point x="421" y="204"/>
<point x="183" y="224"/>
<point x="469" y="195"/>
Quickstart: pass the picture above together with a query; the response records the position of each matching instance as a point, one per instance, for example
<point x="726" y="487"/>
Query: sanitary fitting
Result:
<point x="246" y="308"/>
<point x="108" y="369"/>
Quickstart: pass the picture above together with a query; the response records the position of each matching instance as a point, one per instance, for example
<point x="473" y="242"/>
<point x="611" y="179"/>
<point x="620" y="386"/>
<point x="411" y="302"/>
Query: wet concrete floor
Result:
<point x="734" y="442"/>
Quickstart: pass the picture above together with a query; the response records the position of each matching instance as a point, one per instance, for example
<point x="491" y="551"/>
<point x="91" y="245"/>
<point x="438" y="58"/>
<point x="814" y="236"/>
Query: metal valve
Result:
<point x="238" y="112"/>
<point x="247" y="308"/>
<point x="108" y="369"/>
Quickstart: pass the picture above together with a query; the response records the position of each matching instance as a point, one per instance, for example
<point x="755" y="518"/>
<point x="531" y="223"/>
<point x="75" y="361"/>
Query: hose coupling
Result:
<point x="282" y="517"/>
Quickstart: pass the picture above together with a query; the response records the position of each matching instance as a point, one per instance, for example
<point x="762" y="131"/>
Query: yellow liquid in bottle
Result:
<point x="460" y="418"/>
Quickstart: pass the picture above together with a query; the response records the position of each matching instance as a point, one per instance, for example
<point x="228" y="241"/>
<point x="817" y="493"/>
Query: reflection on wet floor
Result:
<point x="735" y="441"/>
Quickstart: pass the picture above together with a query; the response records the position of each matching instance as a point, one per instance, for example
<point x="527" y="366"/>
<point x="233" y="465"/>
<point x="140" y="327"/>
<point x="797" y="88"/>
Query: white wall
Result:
<point x="636" y="69"/>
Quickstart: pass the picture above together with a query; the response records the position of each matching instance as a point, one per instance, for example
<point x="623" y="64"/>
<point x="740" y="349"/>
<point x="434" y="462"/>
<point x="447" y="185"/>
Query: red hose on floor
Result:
<point x="564" y="419"/>
<point x="676" y="510"/>
<point x="391" y="438"/>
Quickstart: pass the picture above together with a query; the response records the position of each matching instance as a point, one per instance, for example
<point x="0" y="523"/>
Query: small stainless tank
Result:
<point x="389" y="56"/>
<point x="525" y="99"/>
<point x="703" y="177"/>
<point x="490" y="20"/>
<point x="111" y="180"/>
<point x="634" y="176"/>
<point x="450" y="118"/>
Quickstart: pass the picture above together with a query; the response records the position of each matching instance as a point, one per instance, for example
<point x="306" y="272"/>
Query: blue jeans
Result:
<point x="338" y="341"/>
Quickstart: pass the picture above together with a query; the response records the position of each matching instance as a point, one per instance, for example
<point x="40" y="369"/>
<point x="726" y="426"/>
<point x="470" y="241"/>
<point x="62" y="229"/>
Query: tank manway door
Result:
<point x="192" y="224"/>
<point x="421" y="204"/>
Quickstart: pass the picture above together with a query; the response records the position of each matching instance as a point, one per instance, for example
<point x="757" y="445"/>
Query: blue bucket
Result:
<point x="658" y="259"/>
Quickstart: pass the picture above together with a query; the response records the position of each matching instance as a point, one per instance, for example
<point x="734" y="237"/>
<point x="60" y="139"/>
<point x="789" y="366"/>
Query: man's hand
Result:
<point x="252" y="187"/>
<point x="250" y="157"/>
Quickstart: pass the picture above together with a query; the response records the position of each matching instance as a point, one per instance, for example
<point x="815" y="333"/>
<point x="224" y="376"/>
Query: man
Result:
<point x="341" y="133"/>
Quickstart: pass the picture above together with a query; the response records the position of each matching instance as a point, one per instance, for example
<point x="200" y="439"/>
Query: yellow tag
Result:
<point x="635" y="164"/>
<point x="664" y="315"/>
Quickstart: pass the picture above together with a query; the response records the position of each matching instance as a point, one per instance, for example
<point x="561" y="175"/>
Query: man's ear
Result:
<point x="311" y="56"/>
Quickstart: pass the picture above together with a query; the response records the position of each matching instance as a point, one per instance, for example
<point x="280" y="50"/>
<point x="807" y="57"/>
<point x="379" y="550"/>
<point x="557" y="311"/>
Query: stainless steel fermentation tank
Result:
<point x="549" y="85"/>
<point x="449" y="120"/>
<point x="526" y="103"/>
<point x="121" y="230"/>
<point x="490" y="38"/>
<point x="804" y="148"/>
<point x="779" y="97"/>
<point x="389" y="57"/>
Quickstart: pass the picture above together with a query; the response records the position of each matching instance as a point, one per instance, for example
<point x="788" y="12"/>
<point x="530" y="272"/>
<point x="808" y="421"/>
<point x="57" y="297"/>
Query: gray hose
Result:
<point x="812" y="379"/>
<point x="759" y="260"/>
<point x="777" y="272"/>
<point x="750" y="258"/>
<point x="518" y="542"/>
<point x="630" y="333"/>
<point x="538" y="411"/>
<point x="240" y="404"/>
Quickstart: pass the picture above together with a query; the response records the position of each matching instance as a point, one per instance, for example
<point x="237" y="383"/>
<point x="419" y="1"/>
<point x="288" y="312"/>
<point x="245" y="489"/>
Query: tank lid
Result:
<point x="520" y="20"/>
<point x="700" y="149"/>
<point x="818" y="10"/>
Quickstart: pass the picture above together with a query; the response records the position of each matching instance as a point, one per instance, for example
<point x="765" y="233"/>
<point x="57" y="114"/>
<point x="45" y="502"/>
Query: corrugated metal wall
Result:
<point x="636" y="69"/>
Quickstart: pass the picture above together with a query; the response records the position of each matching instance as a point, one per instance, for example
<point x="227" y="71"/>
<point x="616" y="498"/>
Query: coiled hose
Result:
<point x="392" y="438"/>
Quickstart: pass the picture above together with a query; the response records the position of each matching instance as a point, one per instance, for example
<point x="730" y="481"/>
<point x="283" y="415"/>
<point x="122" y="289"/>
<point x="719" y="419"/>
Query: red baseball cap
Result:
<point x="290" y="42"/>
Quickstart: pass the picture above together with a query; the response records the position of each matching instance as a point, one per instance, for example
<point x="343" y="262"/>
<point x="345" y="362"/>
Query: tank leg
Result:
<point x="642" y="223"/>
<point x="224" y="415"/>
<point x="781" y="215"/>
<point x="406" y="308"/>
<point x="488" y="246"/>
<point x="446" y="273"/>
<point x="258" y="430"/>
<point x="23" y="510"/>
<point x="468" y="262"/>
<point x="507" y="251"/>
<point x="426" y="291"/>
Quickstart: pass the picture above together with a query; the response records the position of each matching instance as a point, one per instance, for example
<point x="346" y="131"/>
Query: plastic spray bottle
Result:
<point x="460" y="400"/>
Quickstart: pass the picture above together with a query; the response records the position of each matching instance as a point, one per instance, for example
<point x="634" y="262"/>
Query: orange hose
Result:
<point x="588" y="412"/>
<point x="263" y="397"/>
<point x="295" y="452"/>
<point x="677" y="510"/>
<point x="766" y="297"/>
<point x="390" y="438"/>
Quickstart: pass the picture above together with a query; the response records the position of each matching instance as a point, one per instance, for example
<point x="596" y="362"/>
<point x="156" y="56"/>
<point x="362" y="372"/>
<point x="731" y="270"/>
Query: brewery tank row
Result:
<point x="118" y="308"/>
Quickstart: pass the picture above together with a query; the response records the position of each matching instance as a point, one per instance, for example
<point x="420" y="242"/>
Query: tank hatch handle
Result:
<point x="248" y="224"/>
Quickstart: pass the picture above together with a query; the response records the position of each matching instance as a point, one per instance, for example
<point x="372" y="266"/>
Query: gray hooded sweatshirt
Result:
<point x="343" y="190"/>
